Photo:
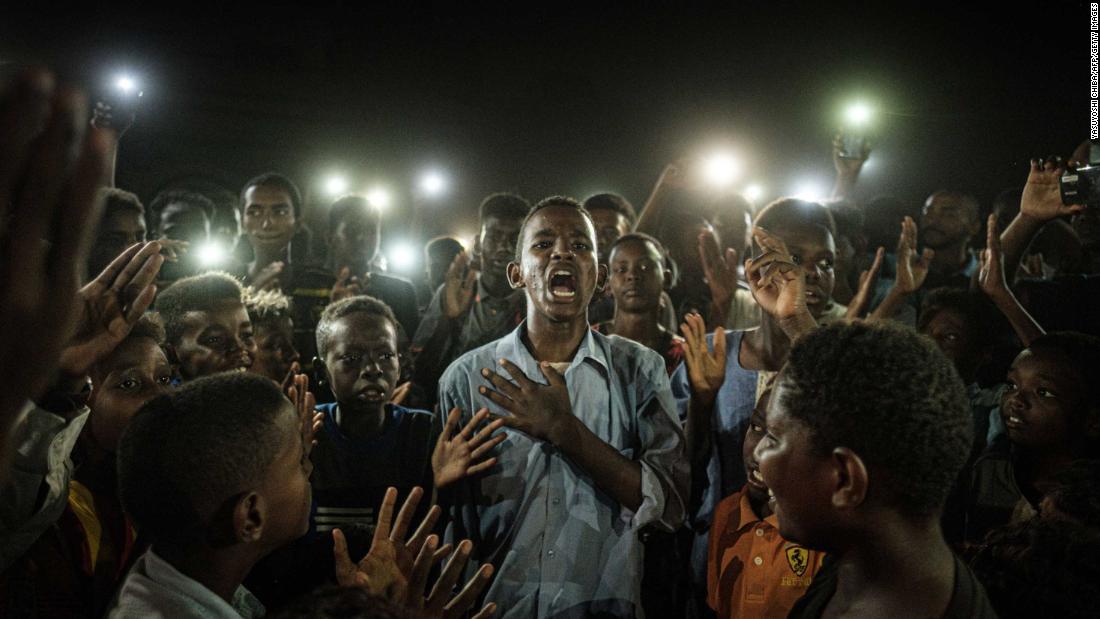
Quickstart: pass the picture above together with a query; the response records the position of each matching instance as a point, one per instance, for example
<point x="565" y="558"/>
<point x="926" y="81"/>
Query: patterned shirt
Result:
<point x="561" y="546"/>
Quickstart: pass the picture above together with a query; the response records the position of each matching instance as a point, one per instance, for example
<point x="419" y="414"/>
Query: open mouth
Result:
<point x="1012" y="422"/>
<point x="563" y="284"/>
<point x="756" y="479"/>
<point x="373" y="394"/>
<point x="813" y="298"/>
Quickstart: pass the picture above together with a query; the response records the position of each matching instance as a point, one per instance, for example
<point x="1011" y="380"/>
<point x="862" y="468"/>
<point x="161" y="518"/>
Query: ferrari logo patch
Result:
<point x="798" y="558"/>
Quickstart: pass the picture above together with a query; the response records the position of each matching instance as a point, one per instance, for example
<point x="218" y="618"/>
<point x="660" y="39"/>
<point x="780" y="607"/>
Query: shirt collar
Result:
<point x="512" y="348"/>
<point x="166" y="575"/>
<point x="749" y="517"/>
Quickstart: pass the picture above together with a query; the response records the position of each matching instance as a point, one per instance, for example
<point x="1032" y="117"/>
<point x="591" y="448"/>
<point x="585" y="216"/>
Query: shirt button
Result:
<point x="555" y="501"/>
<point x="760" y="533"/>
<point x="549" y="553"/>
<point x="758" y="561"/>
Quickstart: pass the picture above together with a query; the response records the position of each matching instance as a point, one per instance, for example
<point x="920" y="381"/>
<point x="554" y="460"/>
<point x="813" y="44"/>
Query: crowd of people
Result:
<point x="700" y="408"/>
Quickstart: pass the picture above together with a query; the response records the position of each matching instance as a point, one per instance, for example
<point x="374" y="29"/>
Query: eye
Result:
<point x="387" y="356"/>
<point x="795" y="258"/>
<point x="129" y="384"/>
<point x="1010" y="386"/>
<point x="543" y="245"/>
<point x="1045" y="393"/>
<point x="581" y="246"/>
<point x="756" y="428"/>
<point x="213" y="340"/>
<point x="351" y="358"/>
<point x="164" y="380"/>
<point x="825" y="265"/>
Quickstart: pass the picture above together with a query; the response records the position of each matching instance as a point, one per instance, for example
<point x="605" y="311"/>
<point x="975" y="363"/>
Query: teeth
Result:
<point x="1015" y="419"/>
<point x="771" y="495"/>
<point x="570" y="294"/>
<point x="756" y="475"/>
<point x="562" y="272"/>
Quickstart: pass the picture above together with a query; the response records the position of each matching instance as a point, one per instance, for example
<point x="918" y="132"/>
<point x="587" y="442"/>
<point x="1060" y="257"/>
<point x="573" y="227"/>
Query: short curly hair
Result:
<point x="504" y="206"/>
<point x="552" y="201"/>
<point x="173" y="196"/>
<point x="1083" y="353"/>
<point x="266" y="306"/>
<point x="612" y="202"/>
<point x="196" y="293"/>
<point x="353" y="305"/>
<point x="187" y="452"/>
<point x="893" y="398"/>
<point x="1040" y="568"/>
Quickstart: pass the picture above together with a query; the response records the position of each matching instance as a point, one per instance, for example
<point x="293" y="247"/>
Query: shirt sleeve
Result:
<point x="37" y="487"/>
<point x="665" y="473"/>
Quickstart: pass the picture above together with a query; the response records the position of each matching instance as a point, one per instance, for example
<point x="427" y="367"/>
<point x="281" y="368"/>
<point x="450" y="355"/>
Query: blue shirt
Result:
<point x="726" y="466"/>
<point x="561" y="546"/>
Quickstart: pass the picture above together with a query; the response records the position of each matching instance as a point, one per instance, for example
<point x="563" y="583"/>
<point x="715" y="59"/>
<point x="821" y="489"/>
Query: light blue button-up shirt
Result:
<point x="560" y="545"/>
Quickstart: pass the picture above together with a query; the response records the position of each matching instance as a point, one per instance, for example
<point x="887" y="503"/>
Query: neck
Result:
<point x="498" y="289"/>
<point x="642" y="327"/>
<point x="550" y="340"/>
<point x="220" y="570"/>
<point x="760" y="506"/>
<point x="950" y="260"/>
<point x="899" y="563"/>
<point x="766" y="346"/>
<point x="362" y="423"/>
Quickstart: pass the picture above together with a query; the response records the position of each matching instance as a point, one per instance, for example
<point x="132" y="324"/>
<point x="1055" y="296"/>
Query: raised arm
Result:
<point x="991" y="280"/>
<point x="1040" y="203"/>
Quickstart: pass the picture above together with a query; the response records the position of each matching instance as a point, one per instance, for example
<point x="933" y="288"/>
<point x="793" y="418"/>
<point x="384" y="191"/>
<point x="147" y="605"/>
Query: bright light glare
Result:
<point x="125" y="83"/>
<point x="210" y="254"/>
<point x="858" y="114"/>
<point x="433" y="183"/>
<point x="336" y="185"/>
<point x="720" y="169"/>
<point x="753" y="193"/>
<point x="379" y="198"/>
<point x="810" y="190"/>
<point x="402" y="257"/>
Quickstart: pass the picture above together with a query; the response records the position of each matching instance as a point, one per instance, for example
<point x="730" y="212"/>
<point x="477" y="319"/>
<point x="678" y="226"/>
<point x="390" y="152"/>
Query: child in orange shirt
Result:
<point x="751" y="570"/>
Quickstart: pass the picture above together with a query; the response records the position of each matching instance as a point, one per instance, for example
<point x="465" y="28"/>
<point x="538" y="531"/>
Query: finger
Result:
<point x="487" y="431"/>
<point x="404" y="517"/>
<point x="111" y="273"/>
<point x="424" y="530"/>
<point x="500" y="400"/>
<point x="342" y="278"/>
<point x="24" y="110"/>
<point x="926" y="257"/>
<point x="719" y="343"/>
<point x="469" y="429"/>
<point x="992" y="234"/>
<point x="501" y="384"/>
<point x="516" y="374"/>
<point x="553" y="376"/>
<point x="876" y="265"/>
<point x="458" y="265"/>
<point x="401" y="393"/>
<point x="425" y="560"/>
<point x="731" y="258"/>
<point x="485" y="465"/>
<point x="466" y="598"/>
<point x="385" y="514"/>
<point x="146" y="273"/>
<point x="768" y="241"/>
<point x="451" y="572"/>
<point x="342" y="561"/>
<point x="487" y="611"/>
<point x="140" y="304"/>
<point x="443" y="553"/>
<point x="451" y="424"/>
<point x="485" y="447"/>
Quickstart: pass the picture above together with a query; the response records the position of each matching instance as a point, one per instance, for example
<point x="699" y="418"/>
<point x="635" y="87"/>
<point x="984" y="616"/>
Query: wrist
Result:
<point x="797" y="325"/>
<point x="563" y="431"/>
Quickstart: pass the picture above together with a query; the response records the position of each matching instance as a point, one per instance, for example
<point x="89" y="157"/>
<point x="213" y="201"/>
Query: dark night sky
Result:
<point x="577" y="100"/>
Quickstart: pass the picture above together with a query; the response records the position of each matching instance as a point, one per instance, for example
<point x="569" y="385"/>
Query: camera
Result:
<point x="1081" y="186"/>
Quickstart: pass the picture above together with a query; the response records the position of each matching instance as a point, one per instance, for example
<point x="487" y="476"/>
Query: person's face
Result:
<point x="946" y="220"/>
<point x="758" y="427"/>
<point x="356" y="238"/>
<point x="610" y="225"/>
<point x="685" y="251"/>
<point x="733" y="231"/>
<point x="637" y="277"/>
<point x="285" y="486"/>
<point x="438" y="263"/>
<point x="226" y="228"/>
<point x="812" y="248"/>
<point x="184" y="222"/>
<point x="558" y="265"/>
<point x="949" y="330"/>
<point x="117" y="231"/>
<point x="797" y="475"/>
<point x="497" y="246"/>
<point x="134" y="373"/>
<point x="275" y="351"/>
<point x="219" y="340"/>
<point x="1042" y="401"/>
<point x="362" y="363"/>
<point x="268" y="218"/>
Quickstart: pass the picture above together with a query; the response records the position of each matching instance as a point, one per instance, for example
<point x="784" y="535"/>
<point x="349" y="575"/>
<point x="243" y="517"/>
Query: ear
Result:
<point x="515" y="276"/>
<point x="249" y="517"/>
<point x="851" y="482"/>
<point x="601" y="276"/>
<point x="668" y="275"/>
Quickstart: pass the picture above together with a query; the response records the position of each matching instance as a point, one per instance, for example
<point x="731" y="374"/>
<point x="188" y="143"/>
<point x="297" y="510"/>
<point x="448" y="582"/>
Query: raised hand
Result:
<point x="346" y="286"/>
<point x="49" y="174"/>
<point x="105" y="117"/>
<point x="268" y="277"/>
<point x="388" y="565"/>
<point x="912" y="267"/>
<point x="853" y="162"/>
<point x="108" y="307"/>
<point x="310" y="420"/>
<point x="540" y="411"/>
<point x="720" y="272"/>
<point x="706" y="369"/>
<point x="779" y="285"/>
<point x="991" y="276"/>
<point x="459" y="286"/>
<point x="867" y="280"/>
<point x="1042" y="198"/>
<point x="173" y="249"/>
<point x="457" y="456"/>
<point x="440" y="603"/>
